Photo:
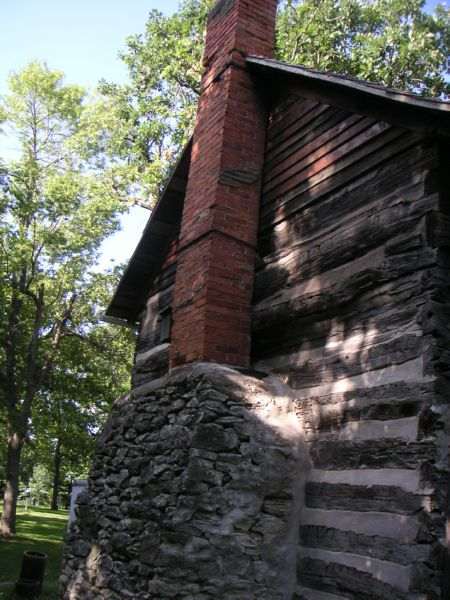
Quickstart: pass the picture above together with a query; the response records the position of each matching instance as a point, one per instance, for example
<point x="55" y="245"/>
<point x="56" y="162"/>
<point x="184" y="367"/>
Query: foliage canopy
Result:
<point x="60" y="196"/>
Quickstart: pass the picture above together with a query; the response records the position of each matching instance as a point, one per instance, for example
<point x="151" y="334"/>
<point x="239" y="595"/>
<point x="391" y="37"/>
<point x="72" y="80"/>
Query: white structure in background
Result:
<point x="78" y="486"/>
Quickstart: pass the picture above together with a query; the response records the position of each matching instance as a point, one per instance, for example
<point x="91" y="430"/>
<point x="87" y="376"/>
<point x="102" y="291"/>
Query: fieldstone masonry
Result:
<point x="196" y="492"/>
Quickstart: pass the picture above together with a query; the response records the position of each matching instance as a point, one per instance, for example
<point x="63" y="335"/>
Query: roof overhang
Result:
<point x="404" y="109"/>
<point x="162" y="228"/>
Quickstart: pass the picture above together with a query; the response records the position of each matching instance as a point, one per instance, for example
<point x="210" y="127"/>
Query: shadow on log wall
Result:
<point x="351" y="311"/>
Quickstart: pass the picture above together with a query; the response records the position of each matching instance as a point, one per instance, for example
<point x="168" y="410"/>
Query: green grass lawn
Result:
<point x="41" y="530"/>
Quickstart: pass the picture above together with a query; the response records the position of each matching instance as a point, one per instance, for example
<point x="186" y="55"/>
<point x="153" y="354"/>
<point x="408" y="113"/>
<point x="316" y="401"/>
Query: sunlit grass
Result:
<point x="40" y="530"/>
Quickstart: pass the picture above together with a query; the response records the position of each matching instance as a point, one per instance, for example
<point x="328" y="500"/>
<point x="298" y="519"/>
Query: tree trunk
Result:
<point x="8" y="520"/>
<point x="56" y="474"/>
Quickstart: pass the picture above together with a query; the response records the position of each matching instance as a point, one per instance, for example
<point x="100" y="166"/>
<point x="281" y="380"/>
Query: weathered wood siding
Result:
<point x="152" y="356"/>
<point x="351" y="294"/>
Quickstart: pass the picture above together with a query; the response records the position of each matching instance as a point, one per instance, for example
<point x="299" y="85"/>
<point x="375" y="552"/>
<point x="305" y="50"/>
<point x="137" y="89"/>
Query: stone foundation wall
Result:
<point x="195" y="493"/>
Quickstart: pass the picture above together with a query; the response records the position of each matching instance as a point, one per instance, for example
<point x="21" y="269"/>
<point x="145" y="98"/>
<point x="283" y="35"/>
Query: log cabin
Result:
<point x="287" y="432"/>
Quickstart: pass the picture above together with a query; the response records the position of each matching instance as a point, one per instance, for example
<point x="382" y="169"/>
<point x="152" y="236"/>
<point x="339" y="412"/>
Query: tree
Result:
<point x="73" y="409"/>
<point x="394" y="42"/>
<point x="157" y="108"/>
<point x="39" y="485"/>
<point x="59" y="199"/>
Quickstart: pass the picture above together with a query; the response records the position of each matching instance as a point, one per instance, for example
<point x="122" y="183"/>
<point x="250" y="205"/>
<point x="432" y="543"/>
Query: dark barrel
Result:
<point x="31" y="575"/>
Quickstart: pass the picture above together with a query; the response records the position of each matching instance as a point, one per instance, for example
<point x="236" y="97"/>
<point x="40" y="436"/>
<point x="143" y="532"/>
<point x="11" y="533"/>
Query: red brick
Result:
<point x="216" y="252"/>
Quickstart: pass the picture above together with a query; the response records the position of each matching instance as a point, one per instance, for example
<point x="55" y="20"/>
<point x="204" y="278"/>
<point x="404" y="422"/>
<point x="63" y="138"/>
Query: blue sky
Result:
<point x="80" y="37"/>
<point x="83" y="39"/>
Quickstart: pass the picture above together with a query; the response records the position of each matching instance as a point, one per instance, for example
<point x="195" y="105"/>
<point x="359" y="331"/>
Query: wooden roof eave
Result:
<point x="161" y="229"/>
<point x="403" y="109"/>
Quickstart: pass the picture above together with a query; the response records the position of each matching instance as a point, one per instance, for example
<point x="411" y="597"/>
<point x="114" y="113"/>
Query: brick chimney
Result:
<point x="216" y="256"/>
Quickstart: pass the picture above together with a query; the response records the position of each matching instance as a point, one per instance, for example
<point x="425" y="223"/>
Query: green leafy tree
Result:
<point x="59" y="199"/>
<point x="39" y="485"/>
<point x="92" y="371"/>
<point x="157" y="108"/>
<point x="394" y="42"/>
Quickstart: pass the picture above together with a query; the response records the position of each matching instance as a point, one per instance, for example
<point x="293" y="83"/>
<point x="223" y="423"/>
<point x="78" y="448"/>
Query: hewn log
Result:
<point x="157" y="303"/>
<point x="374" y="498"/>
<point x="366" y="289"/>
<point x="378" y="547"/>
<point x="384" y="148"/>
<point x="302" y="115"/>
<point x="374" y="190"/>
<point x="393" y="226"/>
<point x="343" y="157"/>
<point x="308" y="369"/>
<point x="339" y="579"/>
<point x="387" y="454"/>
<point x="151" y="364"/>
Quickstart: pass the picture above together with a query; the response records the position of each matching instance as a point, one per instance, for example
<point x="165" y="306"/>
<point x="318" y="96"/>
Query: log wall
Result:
<point x="152" y="355"/>
<point x="351" y="310"/>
